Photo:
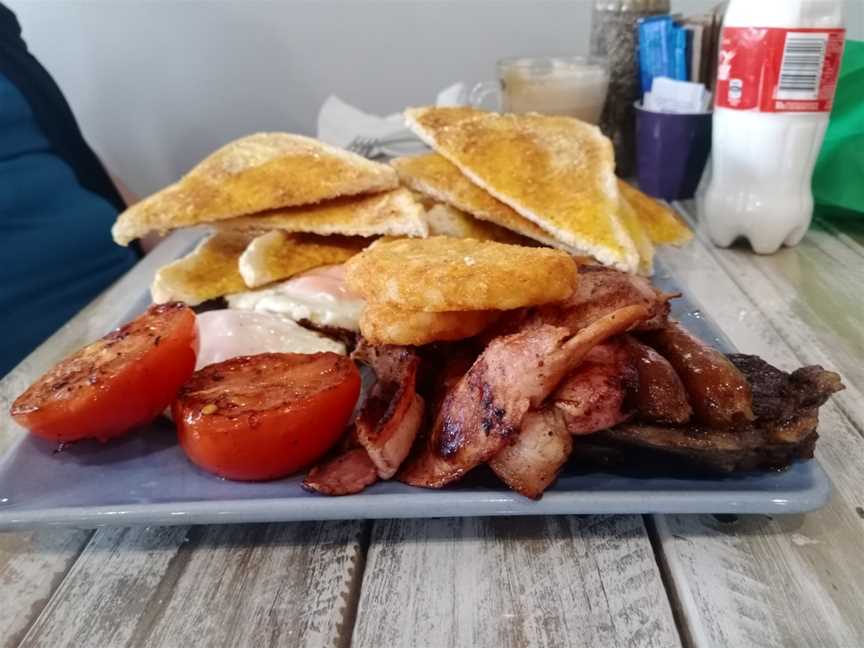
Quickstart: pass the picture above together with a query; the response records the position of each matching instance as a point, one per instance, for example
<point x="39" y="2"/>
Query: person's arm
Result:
<point x="129" y="196"/>
<point x="150" y="241"/>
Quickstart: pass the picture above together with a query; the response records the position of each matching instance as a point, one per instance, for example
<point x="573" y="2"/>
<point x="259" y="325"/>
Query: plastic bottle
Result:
<point x="777" y="72"/>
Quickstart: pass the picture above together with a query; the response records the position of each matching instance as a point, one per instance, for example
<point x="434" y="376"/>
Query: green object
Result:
<point x="838" y="181"/>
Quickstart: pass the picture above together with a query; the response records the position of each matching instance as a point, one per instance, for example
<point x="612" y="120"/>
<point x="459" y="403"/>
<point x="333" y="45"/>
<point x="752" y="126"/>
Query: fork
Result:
<point x="366" y="146"/>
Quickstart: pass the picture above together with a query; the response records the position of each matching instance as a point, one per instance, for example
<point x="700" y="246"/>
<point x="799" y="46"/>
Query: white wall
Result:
<point x="157" y="84"/>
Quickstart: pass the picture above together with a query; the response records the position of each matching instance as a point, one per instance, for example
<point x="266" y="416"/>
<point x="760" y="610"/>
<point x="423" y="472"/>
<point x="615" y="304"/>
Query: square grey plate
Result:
<point x="146" y="479"/>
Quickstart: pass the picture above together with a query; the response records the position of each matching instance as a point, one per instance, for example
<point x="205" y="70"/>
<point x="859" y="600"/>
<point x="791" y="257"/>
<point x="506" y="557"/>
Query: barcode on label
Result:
<point x="801" y="69"/>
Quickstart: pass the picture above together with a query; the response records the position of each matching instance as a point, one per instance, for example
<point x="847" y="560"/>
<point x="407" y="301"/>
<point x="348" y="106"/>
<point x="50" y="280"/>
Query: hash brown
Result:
<point x="446" y="274"/>
<point x="387" y="324"/>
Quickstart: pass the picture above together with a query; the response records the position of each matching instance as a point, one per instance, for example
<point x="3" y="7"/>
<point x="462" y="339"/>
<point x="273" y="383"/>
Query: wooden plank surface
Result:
<point x="501" y="582"/>
<point x="242" y="585"/>
<point x="32" y="565"/>
<point x="788" y="580"/>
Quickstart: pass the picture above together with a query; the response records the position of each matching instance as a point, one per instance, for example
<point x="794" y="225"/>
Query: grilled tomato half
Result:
<point x="260" y="417"/>
<point x="114" y="384"/>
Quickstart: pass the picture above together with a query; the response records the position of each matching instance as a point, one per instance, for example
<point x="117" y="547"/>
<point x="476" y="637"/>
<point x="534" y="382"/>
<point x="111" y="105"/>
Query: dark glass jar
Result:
<point x="614" y="36"/>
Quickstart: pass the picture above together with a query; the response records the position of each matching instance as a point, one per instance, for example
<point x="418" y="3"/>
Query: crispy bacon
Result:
<point x="534" y="460"/>
<point x="487" y="405"/>
<point x="601" y="291"/>
<point x="390" y="418"/>
<point x="514" y="373"/>
<point x="592" y="397"/>
<point x="385" y="427"/>
<point x="344" y="474"/>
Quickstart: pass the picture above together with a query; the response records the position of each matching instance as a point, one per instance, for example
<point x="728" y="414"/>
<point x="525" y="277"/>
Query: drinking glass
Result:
<point x="555" y="85"/>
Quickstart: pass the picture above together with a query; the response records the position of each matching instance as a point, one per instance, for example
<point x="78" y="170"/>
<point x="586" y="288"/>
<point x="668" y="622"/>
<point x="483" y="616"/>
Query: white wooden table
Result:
<point x="559" y="581"/>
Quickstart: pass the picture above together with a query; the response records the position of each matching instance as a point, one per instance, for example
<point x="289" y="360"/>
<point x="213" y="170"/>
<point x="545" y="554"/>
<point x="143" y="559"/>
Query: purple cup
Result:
<point x="671" y="151"/>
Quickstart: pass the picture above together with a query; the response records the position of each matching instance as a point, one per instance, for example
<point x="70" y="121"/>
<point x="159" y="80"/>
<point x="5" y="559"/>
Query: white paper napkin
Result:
<point x="340" y="123"/>
<point x="673" y="96"/>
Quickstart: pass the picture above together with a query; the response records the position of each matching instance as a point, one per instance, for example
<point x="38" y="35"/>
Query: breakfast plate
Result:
<point x="145" y="479"/>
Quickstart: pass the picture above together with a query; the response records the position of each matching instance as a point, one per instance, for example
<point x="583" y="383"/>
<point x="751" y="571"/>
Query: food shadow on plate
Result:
<point x="662" y="472"/>
<point x="153" y="438"/>
<point x="654" y="465"/>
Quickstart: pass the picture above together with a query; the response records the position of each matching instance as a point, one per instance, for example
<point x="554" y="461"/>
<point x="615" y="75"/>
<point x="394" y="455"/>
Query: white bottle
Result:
<point x="778" y="67"/>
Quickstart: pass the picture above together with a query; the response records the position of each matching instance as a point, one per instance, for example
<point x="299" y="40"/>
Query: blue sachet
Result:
<point x="680" y="55"/>
<point x="655" y="49"/>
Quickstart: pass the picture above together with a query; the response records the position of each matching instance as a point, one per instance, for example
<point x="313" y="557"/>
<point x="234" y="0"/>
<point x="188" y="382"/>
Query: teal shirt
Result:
<point x="56" y="251"/>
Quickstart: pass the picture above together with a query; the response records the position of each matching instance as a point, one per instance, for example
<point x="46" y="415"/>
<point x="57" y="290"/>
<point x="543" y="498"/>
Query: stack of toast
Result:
<point x="279" y="204"/>
<point x="550" y="179"/>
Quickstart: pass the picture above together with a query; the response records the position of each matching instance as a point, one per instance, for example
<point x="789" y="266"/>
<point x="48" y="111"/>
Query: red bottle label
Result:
<point x="771" y="69"/>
